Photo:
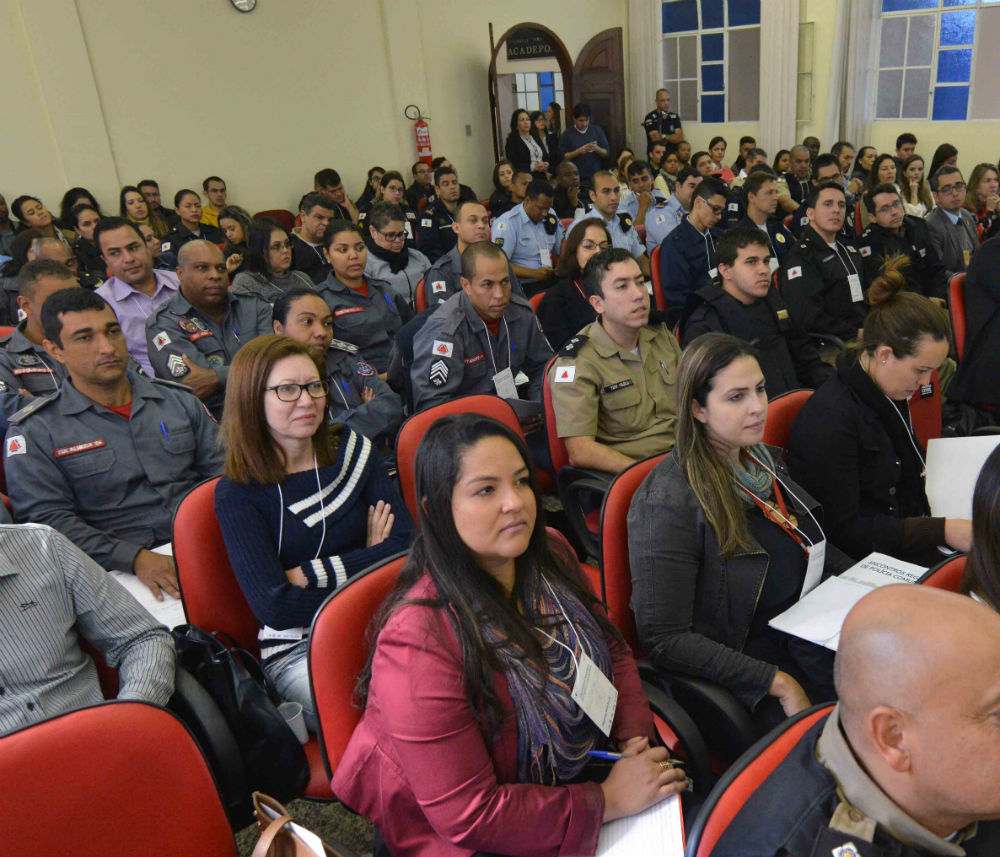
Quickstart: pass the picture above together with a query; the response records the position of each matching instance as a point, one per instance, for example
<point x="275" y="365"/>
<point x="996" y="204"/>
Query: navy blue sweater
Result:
<point x="254" y="516"/>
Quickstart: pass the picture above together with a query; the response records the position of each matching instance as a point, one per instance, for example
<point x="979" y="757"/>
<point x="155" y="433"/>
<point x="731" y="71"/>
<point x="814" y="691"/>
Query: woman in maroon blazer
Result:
<point x="470" y="741"/>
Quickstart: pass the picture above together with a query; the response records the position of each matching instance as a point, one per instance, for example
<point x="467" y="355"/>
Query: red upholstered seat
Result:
<point x="119" y="778"/>
<point x="420" y="296"/>
<point x="956" y="303"/>
<point x="284" y="217"/>
<point x="654" y="270"/>
<point x="947" y="574"/>
<point x="925" y="412"/>
<point x="781" y="413"/>
<point x="212" y="596"/>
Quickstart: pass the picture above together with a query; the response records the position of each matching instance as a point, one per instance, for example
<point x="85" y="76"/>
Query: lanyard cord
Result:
<point x="908" y="425"/>
<point x="852" y="269"/>
<point x="490" y="346"/>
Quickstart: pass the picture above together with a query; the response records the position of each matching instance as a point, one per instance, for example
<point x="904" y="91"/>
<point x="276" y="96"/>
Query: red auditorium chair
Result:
<point x="659" y="301"/>
<point x="947" y="574"/>
<point x="119" y="779"/>
<point x="781" y="413"/>
<point x="925" y="413"/>
<point x="956" y="303"/>
<point x="719" y="715"/>
<point x="420" y="296"/>
<point x="858" y="227"/>
<point x="535" y="300"/>
<point x="740" y="781"/>
<point x="212" y="596"/>
<point x="640" y="230"/>
<point x="338" y="652"/>
<point x="283" y="216"/>
<point x="6" y="330"/>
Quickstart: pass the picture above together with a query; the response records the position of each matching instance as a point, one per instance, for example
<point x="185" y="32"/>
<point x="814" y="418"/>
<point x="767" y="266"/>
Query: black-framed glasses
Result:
<point x="293" y="392"/>
<point x="952" y="188"/>
<point x="888" y="209"/>
<point x="587" y="244"/>
<point x="280" y="245"/>
<point x="392" y="236"/>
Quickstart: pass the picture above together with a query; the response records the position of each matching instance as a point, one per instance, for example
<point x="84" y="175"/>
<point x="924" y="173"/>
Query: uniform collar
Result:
<point x="605" y="346"/>
<point x="72" y="401"/>
<point x="182" y="306"/>
<point x="864" y="795"/>
<point x="475" y="321"/>
<point x="18" y="342"/>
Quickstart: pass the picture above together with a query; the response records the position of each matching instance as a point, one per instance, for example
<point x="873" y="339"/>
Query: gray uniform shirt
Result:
<point x="108" y="484"/>
<point x="177" y="328"/>
<point x="454" y="353"/>
<point x="444" y="279"/>
<point x="368" y="321"/>
<point x="348" y="376"/>
<point x="51" y="594"/>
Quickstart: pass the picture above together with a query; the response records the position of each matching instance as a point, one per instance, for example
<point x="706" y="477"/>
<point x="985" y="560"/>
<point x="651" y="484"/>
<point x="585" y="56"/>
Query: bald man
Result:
<point x="908" y="762"/>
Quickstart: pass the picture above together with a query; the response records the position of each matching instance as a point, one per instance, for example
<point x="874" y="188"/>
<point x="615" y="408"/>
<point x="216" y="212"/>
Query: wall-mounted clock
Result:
<point x="244" y="5"/>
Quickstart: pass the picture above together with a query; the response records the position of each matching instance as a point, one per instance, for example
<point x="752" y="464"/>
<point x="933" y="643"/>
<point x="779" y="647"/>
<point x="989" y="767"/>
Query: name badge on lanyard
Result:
<point x="595" y="694"/>
<point x="773" y="263"/>
<point x="814" y="568"/>
<point x="503" y="383"/>
<point x="545" y="257"/>
<point x="854" y="281"/>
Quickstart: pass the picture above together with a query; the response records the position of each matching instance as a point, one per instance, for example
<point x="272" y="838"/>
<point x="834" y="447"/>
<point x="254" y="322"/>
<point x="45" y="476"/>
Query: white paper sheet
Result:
<point x="953" y="465"/>
<point x="819" y="616"/>
<point x="169" y="611"/>
<point x="656" y="832"/>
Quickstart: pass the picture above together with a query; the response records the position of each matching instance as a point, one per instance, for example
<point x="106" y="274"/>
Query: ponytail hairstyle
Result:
<point x="710" y="477"/>
<point x="898" y="318"/>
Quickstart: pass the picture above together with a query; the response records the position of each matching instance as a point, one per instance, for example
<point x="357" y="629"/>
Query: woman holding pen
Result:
<point x="472" y="739"/>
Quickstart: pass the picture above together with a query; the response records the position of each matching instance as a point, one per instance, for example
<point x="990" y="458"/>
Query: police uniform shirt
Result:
<point x="109" y="484"/>
<point x="925" y="274"/>
<point x="435" y="237"/>
<point x="528" y="244"/>
<point x="348" y="377"/>
<point x="176" y="329"/>
<point x="798" y="189"/>
<point x="800" y="220"/>
<point x="367" y="321"/>
<point x="631" y="203"/>
<point x="181" y="235"/>
<point x="444" y="278"/>
<point x="666" y="123"/>
<point x="687" y="261"/>
<point x="454" y="354"/>
<point x="778" y="237"/>
<point x="24" y="365"/>
<point x="621" y="229"/>
<point x="622" y="400"/>
<point x="661" y="219"/>
<point x="815" y="282"/>
<point x="309" y="259"/>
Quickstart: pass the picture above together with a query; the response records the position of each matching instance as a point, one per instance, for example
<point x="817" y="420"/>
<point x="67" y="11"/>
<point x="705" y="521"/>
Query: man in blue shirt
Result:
<point x="663" y="217"/>
<point x="529" y="234"/>
<point x="584" y="144"/>
<point x="605" y="196"/>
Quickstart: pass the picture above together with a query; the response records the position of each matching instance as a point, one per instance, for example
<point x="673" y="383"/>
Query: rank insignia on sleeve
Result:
<point x="439" y="373"/>
<point x="178" y="368"/>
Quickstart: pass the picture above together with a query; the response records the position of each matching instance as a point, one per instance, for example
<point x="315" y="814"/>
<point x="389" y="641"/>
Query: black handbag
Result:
<point x="272" y="755"/>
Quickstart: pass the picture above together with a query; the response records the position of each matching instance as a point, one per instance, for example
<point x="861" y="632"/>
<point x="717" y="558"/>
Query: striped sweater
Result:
<point x="255" y="517"/>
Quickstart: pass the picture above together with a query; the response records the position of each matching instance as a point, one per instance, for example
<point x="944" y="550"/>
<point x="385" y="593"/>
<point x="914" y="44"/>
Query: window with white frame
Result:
<point x="537" y="90"/>
<point x="711" y="59"/>
<point x="929" y="65"/>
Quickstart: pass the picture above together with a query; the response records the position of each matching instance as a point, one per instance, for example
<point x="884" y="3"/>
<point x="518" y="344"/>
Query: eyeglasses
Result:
<point x="952" y="188"/>
<point x="716" y="209"/>
<point x="888" y="209"/>
<point x="293" y="392"/>
<point x="392" y="236"/>
<point x="280" y="245"/>
<point x="587" y="244"/>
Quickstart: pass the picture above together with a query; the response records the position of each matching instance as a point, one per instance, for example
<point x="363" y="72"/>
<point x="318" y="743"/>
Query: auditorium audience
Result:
<point x="435" y="237"/>
<point x="884" y="171"/>
<point x="316" y="210"/>
<point x="187" y="204"/>
<point x="944" y="155"/>
<point x="151" y="190"/>
<point x="31" y="214"/>
<point x="983" y="200"/>
<point x="267" y="266"/>
<point x="302" y="507"/>
<point x="370" y="193"/>
<point x="215" y="192"/>
<point x="421" y="188"/>
<point x="499" y="200"/>
<point x="328" y="183"/>
<point x="132" y="206"/>
<point x="853" y="444"/>
<point x="953" y="229"/>
<point x="605" y="196"/>
<point x="916" y="193"/>
<point x="523" y="149"/>
<point x="7" y="232"/>
<point x="981" y="575"/>
<point x="760" y="192"/>
<point x="720" y="541"/>
<point x="70" y="200"/>
<point x="234" y="222"/>
<point x="107" y="459"/>
<point x="389" y="258"/>
<point x="20" y="255"/>
<point x="584" y="143"/>
<point x="782" y="162"/>
<point x="742" y="302"/>
<point x="470" y="741"/>
<point x="566" y="200"/>
<point x="717" y="155"/>
<point x="88" y="254"/>
<point x="863" y="163"/>
<point x="530" y="233"/>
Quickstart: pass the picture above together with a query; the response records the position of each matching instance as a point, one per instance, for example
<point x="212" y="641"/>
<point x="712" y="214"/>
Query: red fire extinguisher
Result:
<point x="422" y="132"/>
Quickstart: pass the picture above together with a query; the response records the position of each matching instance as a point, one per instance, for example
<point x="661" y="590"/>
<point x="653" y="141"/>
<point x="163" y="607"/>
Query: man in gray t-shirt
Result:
<point x="584" y="144"/>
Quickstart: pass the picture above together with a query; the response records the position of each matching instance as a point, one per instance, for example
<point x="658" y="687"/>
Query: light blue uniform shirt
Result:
<point x="661" y="221"/>
<point x="620" y="237"/>
<point x="526" y="243"/>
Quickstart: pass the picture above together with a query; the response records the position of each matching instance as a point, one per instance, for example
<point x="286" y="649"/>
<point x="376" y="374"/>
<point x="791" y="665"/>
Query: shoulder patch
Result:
<point x="498" y="242"/>
<point x="866" y="250"/>
<point x="794" y="272"/>
<point x="564" y="374"/>
<point x="36" y="404"/>
<point x="16" y="445"/>
<point x="426" y="222"/>
<point x="626" y="221"/>
<point x="779" y="237"/>
<point x="439" y="286"/>
<point x="341" y="345"/>
<point x="161" y="339"/>
<point x="501" y="225"/>
<point x="442" y="349"/>
<point x="572" y="348"/>
<point x="365" y="370"/>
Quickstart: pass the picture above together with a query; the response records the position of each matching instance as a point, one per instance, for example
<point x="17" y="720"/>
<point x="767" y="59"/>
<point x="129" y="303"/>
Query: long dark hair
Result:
<point x="982" y="569"/>
<point x="70" y="200"/>
<point x="257" y="258"/>
<point x="941" y="154"/>
<point x="468" y="595"/>
<point x="873" y="178"/>
<point x="567" y="266"/>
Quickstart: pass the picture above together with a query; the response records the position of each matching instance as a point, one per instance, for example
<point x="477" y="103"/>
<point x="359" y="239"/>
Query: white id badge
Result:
<point x="773" y="263"/>
<point x="545" y="257"/>
<point x="814" y="568"/>
<point x="595" y="694"/>
<point x="854" y="281"/>
<point x="503" y="383"/>
<point x="408" y="228"/>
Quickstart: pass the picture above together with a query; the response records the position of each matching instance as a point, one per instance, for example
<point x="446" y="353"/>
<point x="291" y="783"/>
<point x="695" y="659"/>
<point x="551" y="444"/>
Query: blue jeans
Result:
<point x="290" y="674"/>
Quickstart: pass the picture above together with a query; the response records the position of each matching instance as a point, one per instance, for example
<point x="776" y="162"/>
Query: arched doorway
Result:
<point x="529" y="67"/>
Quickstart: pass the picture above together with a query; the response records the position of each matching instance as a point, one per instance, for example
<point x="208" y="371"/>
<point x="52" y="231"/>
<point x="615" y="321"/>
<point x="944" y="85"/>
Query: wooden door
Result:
<point x="599" y="79"/>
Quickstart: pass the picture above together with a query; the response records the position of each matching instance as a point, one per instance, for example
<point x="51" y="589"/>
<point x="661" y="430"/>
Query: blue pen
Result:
<point x="343" y="384"/>
<point x="236" y="332"/>
<point x="604" y="754"/>
<point x="163" y="428"/>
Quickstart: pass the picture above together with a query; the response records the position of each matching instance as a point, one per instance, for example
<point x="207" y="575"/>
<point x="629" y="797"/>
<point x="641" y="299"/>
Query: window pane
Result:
<point x="950" y="102"/>
<point x="713" y="108"/>
<point x="670" y="58"/>
<point x="680" y="15"/>
<point x="744" y="75"/>
<point x="519" y="82"/>
<point x="958" y="28"/>
<point x="711" y="14"/>
<point x="545" y="78"/>
<point x="712" y="47"/>
<point x="920" y="45"/>
<point x="961" y="2"/>
<point x="557" y="79"/>
<point x="559" y="99"/>
<point x="688" y="93"/>
<point x="893" y="50"/>
<point x="890" y="89"/>
<point x="546" y="95"/>
<point x="744" y="12"/>
<point x="954" y="66"/>
<point x="712" y="78"/>
<point x="985" y="102"/>
<point x="904" y="5"/>
<point x="688" y="56"/>
<point x="531" y="101"/>
<point x="916" y="93"/>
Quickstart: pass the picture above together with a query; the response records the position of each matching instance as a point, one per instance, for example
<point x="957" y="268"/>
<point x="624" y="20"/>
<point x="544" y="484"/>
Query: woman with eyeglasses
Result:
<point x="268" y="264"/>
<point x="565" y="309"/>
<point x="982" y="198"/>
<point x="302" y="506"/>
<point x="389" y="258"/>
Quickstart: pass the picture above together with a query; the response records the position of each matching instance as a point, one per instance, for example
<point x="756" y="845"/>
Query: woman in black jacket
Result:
<point x="522" y="149"/>
<point x="721" y="540"/>
<point x="853" y="446"/>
